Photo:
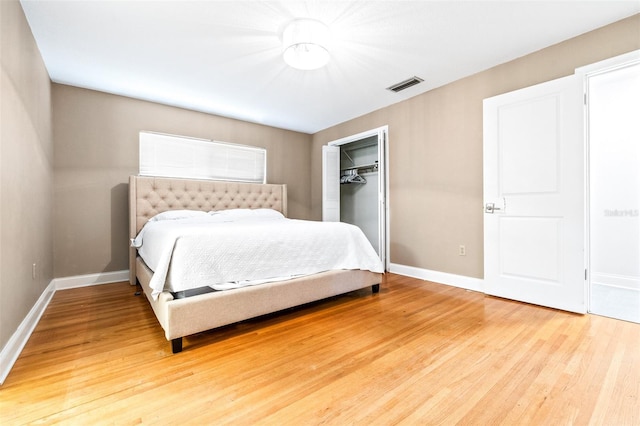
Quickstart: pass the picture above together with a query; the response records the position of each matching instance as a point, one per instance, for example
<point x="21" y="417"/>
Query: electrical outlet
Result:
<point x="462" y="251"/>
<point x="33" y="271"/>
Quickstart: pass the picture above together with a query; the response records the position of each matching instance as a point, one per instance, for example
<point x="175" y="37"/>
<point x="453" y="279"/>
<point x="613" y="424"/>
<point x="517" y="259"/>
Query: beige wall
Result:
<point x="26" y="170"/>
<point x="96" y="149"/>
<point x="435" y="150"/>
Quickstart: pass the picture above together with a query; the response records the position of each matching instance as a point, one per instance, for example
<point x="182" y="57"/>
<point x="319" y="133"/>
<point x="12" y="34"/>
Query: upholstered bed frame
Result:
<point x="149" y="196"/>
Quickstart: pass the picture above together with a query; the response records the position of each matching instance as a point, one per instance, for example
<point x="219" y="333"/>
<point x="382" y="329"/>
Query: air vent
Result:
<point x="405" y="84"/>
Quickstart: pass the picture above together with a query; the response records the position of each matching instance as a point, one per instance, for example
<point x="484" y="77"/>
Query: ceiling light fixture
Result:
<point x="304" y="44"/>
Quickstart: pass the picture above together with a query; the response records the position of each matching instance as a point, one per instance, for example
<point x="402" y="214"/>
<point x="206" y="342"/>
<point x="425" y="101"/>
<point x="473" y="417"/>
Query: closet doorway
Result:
<point x="355" y="187"/>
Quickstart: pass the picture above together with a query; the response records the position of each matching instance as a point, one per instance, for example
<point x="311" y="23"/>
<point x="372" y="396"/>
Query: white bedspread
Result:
<point x="226" y="251"/>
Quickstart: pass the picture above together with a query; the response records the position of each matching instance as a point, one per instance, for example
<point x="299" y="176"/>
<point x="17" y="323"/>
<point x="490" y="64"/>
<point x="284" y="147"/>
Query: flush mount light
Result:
<point x="304" y="44"/>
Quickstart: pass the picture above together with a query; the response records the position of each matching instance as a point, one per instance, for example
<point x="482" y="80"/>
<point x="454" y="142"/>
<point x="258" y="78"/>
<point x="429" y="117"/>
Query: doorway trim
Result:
<point x="584" y="73"/>
<point x="383" y="133"/>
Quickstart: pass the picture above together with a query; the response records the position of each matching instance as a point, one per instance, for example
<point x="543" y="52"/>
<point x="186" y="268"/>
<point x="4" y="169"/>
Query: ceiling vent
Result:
<point x="405" y="84"/>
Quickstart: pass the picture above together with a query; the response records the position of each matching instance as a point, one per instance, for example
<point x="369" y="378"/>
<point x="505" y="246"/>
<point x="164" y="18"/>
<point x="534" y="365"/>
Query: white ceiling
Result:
<point x="225" y="58"/>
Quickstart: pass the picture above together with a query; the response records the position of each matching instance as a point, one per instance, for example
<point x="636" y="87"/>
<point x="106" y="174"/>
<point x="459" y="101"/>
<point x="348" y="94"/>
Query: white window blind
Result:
<point x="184" y="157"/>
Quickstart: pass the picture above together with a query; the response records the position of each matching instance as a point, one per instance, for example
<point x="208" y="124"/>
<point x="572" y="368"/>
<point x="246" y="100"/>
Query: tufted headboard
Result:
<point x="150" y="195"/>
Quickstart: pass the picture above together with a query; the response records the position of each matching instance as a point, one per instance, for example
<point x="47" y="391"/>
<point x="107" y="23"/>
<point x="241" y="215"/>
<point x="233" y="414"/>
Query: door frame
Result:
<point x="584" y="73"/>
<point x="382" y="133"/>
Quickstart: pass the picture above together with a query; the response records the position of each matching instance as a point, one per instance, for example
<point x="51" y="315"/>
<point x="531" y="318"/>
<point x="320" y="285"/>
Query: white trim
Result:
<point x="585" y="73"/>
<point x="361" y="135"/>
<point x="91" y="279"/>
<point x="610" y="64"/>
<point x="14" y="346"/>
<point x="460" y="281"/>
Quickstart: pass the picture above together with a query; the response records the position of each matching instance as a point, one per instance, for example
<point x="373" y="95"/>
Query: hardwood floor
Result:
<point x="416" y="353"/>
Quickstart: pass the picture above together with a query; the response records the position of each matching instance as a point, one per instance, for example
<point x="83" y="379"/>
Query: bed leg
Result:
<point x="375" y="288"/>
<point x="176" y="345"/>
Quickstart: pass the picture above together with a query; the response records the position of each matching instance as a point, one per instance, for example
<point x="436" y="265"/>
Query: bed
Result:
<point x="197" y="312"/>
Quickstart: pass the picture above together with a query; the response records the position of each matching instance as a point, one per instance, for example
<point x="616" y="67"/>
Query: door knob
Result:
<point x="490" y="208"/>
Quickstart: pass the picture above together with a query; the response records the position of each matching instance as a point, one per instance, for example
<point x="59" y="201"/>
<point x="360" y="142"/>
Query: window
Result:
<point x="184" y="157"/>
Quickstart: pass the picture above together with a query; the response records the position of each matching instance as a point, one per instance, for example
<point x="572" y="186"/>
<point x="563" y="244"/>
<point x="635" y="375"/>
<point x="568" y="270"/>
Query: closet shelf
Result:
<point x="373" y="167"/>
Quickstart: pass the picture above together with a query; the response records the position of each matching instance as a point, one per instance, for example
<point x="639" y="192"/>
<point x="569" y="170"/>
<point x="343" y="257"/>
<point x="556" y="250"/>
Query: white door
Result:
<point x="331" y="183"/>
<point x="534" y="195"/>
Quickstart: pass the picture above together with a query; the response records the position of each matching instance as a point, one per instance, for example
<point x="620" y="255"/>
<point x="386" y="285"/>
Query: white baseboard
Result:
<point x="14" y="346"/>
<point x="91" y="279"/>
<point x="16" y="343"/>
<point x="461" y="281"/>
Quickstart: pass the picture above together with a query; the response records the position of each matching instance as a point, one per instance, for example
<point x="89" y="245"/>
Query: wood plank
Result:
<point x="416" y="353"/>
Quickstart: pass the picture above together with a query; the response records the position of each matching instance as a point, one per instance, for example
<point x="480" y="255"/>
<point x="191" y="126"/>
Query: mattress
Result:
<point x="241" y="247"/>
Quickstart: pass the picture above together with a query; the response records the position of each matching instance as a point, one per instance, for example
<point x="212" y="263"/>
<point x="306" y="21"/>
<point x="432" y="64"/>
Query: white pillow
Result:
<point x="177" y="214"/>
<point x="236" y="214"/>
<point x="267" y="214"/>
